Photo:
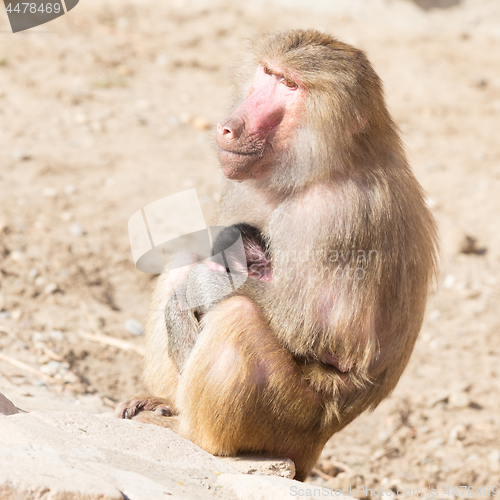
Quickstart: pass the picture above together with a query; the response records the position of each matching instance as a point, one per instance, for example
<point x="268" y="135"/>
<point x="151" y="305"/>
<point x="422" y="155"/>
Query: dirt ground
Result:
<point x="113" y="106"/>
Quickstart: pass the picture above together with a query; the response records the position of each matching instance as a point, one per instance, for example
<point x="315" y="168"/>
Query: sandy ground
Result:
<point x="113" y="106"/>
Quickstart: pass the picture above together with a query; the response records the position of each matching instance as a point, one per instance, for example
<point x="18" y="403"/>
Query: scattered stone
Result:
<point x="19" y="155"/>
<point x="440" y="397"/>
<point x="16" y="315"/>
<point x="40" y="281"/>
<point x="7" y="407"/>
<point x="134" y="327"/>
<point x="162" y="60"/>
<point x="50" y="288"/>
<point x="32" y="273"/>
<point x="458" y="432"/>
<point x="494" y="458"/>
<point x="459" y="400"/>
<point x="76" y="229"/>
<point x="81" y="118"/>
<point x="17" y="256"/>
<point x="5" y="314"/>
<point x="469" y="245"/>
<point x="54" y="367"/>
<point x="49" y="192"/>
<point x="70" y="189"/>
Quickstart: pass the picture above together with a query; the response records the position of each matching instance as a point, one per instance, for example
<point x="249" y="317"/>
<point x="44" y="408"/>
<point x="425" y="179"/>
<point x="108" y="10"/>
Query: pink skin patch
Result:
<point x="331" y="359"/>
<point x="268" y="114"/>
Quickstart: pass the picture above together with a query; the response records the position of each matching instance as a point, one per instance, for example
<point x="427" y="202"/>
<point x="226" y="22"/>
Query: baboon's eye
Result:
<point x="289" y="83"/>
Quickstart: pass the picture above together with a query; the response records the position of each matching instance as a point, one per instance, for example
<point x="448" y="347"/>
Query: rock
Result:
<point x="70" y="189"/>
<point x="458" y="432"/>
<point x="40" y="281"/>
<point x="20" y="155"/>
<point x="49" y="192"/>
<point x="17" y="256"/>
<point x="50" y="288"/>
<point x="162" y="60"/>
<point x="85" y="457"/>
<point x="494" y="457"/>
<point x="7" y="408"/>
<point x="459" y="400"/>
<point x="76" y="230"/>
<point x="54" y="367"/>
<point x="262" y="466"/>
<point x="134" y="327"/>
<point x="32" y="273"/>
<point x="16" y="315"/>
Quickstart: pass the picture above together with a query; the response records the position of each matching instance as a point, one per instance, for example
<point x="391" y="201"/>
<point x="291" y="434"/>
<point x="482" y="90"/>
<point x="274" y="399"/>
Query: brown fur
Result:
<point x="340" y="197"/>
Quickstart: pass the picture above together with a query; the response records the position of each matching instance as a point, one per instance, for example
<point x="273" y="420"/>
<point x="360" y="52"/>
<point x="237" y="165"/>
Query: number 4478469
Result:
<point x="32" y="8"/>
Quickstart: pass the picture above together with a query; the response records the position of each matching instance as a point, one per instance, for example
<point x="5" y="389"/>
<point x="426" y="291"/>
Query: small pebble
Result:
<point x="134" y="327"/>
<point x="494" y="456"/>
<point x="50" y="288"/>
<point x="17" y="256"/>
<point x="69" y="189"/>
<point x="458" y="432"/>
<point x="19" y="155"/>
<point x="40" y="281"/>
<point x="459" y="400"/>
<point x="53" y="367"/>
<point x="162" y="60"/>
<point x="81" y="118"/>
<point x="5" y="314"/>
<point x="76" y="230"/>
<point x="49" y="192"/>
<point x="16" y="314"/>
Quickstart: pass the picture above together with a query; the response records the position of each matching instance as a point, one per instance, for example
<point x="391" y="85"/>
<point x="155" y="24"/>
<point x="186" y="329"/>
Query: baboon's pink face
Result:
<point x="259" y="131"/>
